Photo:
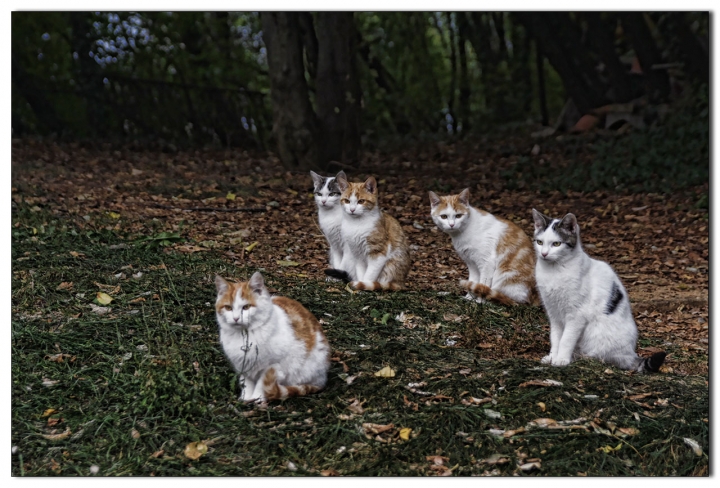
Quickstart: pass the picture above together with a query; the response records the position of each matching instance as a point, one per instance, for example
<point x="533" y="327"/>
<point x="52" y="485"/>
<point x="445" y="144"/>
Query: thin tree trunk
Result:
<point x="540" y="65"/>
<point x="294" y="125"/>
<point x="658" y="84"/>
<point x="453" y="73"/>
<point x="464" y="107"/>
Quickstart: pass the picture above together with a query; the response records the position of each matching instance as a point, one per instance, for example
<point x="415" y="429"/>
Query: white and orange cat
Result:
<point x="375" y="249"/>
<point x="498" y="254"/>
<point x="276" y="345"/>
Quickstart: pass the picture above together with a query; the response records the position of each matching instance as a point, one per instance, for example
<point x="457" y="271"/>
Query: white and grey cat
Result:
<point x="587" y="305"/>
<point x="330" y="213"/>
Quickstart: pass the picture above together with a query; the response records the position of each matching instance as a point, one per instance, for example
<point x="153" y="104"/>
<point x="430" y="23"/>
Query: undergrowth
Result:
<point x="125" y="391"/>
<point x="665" y="157"/>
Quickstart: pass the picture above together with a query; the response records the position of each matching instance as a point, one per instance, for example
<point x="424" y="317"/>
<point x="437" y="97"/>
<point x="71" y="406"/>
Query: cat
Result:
<point x="498" y="254"/>
<point x="375" y="251"/>
<point x="330" y="213"/>
<point x="276" y="345"/>
<point x="587" y="305"/>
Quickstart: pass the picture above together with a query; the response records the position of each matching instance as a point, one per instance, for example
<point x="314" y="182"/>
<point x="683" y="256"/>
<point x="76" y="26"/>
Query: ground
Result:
<point x="144" y="374"/>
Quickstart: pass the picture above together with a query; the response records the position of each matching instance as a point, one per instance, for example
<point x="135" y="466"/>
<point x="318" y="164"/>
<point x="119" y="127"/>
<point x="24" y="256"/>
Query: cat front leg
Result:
<point x="374" y="268"/>
<point x="336" y="257"/>
<point x="487" y="272"/>
<point x="570" y="336"/>
<point x="556" y="330"/>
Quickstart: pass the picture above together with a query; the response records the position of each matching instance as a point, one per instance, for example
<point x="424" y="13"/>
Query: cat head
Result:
<point x="358" y="199"/>
<point x="327" y="192"/>
<point x="450" y="213"/>
<point x="555" y="239"/>
<point x="244" y="304"/>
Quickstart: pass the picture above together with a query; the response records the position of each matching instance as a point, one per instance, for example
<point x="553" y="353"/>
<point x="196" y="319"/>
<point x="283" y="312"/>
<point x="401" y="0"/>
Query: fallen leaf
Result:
<point x="510" y="433"/>
<point x="48" y="412"/>
<point x="405" y="433"/>
<point x="540" y="383"/>
<point x="287" y="263"/>
<point x="157" y="454"/>
<point x="356" y="407"/>
<point x="57" y="358"/>
<point x="694" y="446"/>
<point x="609" y="449"/>
<point x="437" y="460"/>
<point x="492" y="413"/>
<point x="53" y="421"/>
<point x="377" y="428"/>
<point x="329" y="472"/>
<point x="135" y="434"/>
<point x="137" y="300"/>
<point x="114" y="215"/>
<point x="195" y="449"/>
<point x="230" y="196"/>
<point x="47" y="382"/>
<point x="628" y="430"/>
<point x="99" y="310"/>
<point x="58" y="437"/>
<point x="496" y="459"/>
<point x="251" y="246"/>
<point x="543" y="422"/>
<point x="103" y="298"/>
<point x="65" y="285"/>
<point x="386" y="372"/>
<point x="530" y="466"/>
<point x="541" y="405"/>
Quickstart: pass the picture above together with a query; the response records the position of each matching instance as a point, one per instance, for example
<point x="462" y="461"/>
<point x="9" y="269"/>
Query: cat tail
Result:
<point x="652" y="364"/>
<point x="484" y="291"/>
<point x="376" y="285"/>
<point x="339" y="274"/>
<point x="275" y="391"/>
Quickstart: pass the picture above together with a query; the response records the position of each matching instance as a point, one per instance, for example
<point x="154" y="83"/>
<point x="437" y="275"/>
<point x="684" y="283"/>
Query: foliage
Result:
<point x="667" y="156"/>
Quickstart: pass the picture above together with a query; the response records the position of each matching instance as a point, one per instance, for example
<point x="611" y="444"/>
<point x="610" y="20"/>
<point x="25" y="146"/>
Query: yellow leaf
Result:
<point x="58" y="437"/>
<point x="288" y="263"/>
<point x="251" y="246"/>
<point x="114" y="215"/>
<point x="541" y="405"/>
<point x="609" y="449"/>
<point x="405" y="433"/>
<point x="230" y="196"/>
<point x="386" y="372"/>
<point x="48" y="412"/>
<point x="103" y="298"/>
<point x="195" y="449"/>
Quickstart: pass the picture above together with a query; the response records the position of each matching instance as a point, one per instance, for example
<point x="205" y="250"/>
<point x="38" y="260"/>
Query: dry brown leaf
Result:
<point x="48" y="412"/>
<point x="58" y="437"/>
<point x="371" y="428"/>
<point x="356" y="407"/>
<point x="329" y="472"/>
<point x="540" y="383"/>
<point x="157" y="454"/>
<point x="65" y="285"/>
<point x="628" y="430"/>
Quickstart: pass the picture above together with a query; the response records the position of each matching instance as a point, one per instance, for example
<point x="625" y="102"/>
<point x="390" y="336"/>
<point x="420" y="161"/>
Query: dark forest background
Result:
<point x="322" y="87"/>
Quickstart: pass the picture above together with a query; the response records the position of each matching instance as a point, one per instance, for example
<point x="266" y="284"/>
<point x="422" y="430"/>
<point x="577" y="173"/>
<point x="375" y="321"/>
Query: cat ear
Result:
<point x="465" y="196"/>
<point x="341" y="181"/>
<point x="371" y="185"/>
<point x="434" y="199"/>
<point x="317" y="179"/>
<point x="541" y="221"/>
<point x="257" y="283"/>
<point x="569" y="223"/>
<point x="221" y="285"/>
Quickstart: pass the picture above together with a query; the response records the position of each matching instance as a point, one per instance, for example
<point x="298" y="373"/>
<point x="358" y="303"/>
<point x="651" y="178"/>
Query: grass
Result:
<point x="142" y="381"/>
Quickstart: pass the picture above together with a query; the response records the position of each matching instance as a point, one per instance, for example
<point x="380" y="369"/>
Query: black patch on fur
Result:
<point x="615" y="296"/>
<point x="568" y="238"/>
<point x="653" y="363"/>
<point x="333" y="186"/>
<point x="338" y="274"/>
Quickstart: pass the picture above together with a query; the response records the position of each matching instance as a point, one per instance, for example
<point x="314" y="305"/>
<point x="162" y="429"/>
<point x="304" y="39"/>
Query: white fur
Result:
<point x="330" y="216"/>
<point x="262" y="338"/>
<point x="475" y="237"/>
<point x="575" y="290"/>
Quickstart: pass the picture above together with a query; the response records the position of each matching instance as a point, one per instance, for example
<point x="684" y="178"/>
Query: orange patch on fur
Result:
<point x="303" y="322"/>
<point x="229" y="296"/>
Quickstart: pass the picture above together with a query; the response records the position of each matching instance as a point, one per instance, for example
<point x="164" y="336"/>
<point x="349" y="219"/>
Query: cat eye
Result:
<point x="539" y="242"/>
<point x="345" y="200"/>
<point x="443" y="216"/>
<point x="458" y="216"/>
<point x="361" y="201"/>
<point x="318" y="194"/>
<point x="556" y="243"/>
<point x="334" y="194"/>
<point x="227" y="307"/>
<point x="246" y="307"/>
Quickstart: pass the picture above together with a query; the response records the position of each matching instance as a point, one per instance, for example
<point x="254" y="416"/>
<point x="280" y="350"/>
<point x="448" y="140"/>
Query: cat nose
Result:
<point x="323" y="202"/>
<point x="452" y="224"/>
<point x="544" y="254"/>
<point x="352" y="210"/>
<point x="236" y="318"/>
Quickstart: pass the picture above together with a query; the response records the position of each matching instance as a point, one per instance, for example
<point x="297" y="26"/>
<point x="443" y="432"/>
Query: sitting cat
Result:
<point x="330" y="213"/>
<point x="274" y="344"/>
<point x="375" y="252"/>
<point x="587" y="305"/>
<point x="497" y="252"/>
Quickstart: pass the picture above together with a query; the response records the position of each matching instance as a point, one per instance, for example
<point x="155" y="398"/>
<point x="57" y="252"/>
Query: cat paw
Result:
<point x="560" y="362"/>
<point x="470" y="297"/>
<point x="547" y="359"/>
<point x="331" y="279"/>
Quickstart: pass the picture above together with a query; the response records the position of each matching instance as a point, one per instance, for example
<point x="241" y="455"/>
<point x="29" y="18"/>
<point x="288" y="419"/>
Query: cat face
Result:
<point x="327" y="192"/>
<point x="554" y="239"/>
<point x="242" y="304"/>
<point x="450" y="213"/>
<point x="357" y="199"/>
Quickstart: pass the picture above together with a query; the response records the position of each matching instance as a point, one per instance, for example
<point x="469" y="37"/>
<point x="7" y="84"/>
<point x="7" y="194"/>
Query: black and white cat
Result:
<point x="330" y="213"/>
<point x="587" y="305"/>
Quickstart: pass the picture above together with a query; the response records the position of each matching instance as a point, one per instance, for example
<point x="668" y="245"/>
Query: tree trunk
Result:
<point x="540" y="64"/>
<point x="658" y="84"/>
<point x="294" y="125"/>
<point x="338" y="89"/>
<point x="603" y="41"/>
<point x="464" y="107"/>
<point x="453" y="72"/>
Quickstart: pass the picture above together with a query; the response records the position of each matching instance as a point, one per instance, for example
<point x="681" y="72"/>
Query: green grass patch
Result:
<point x="142" y="380"/>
